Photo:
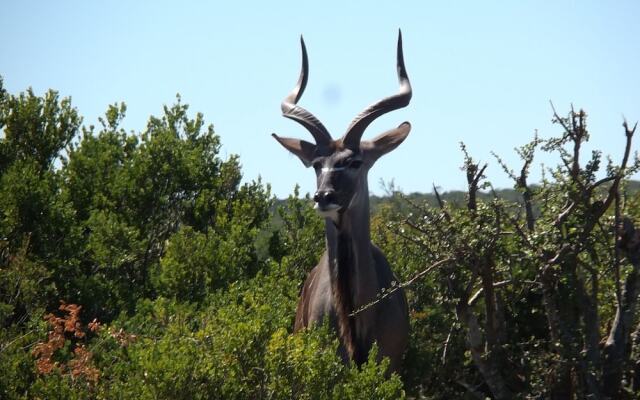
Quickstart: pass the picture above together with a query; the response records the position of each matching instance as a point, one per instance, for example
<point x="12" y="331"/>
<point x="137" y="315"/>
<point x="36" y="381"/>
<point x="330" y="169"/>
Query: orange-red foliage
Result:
<point x="63" y="329"/>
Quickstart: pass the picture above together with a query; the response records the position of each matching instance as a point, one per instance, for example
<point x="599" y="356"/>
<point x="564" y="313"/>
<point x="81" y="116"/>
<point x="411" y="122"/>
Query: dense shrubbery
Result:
<point x="539" y="296"/>
<point x="189" y="287"/>
<point x="180" y="282"/>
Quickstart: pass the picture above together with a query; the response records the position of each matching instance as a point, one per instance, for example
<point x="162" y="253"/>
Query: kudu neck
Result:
<point x="349" y="247"/>
<point x="353" y="275"/>
<point x="353" y="222"/>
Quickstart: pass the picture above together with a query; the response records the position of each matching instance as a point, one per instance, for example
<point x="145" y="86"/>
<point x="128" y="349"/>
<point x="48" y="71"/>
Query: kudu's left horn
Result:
<point x="291" y="110"/>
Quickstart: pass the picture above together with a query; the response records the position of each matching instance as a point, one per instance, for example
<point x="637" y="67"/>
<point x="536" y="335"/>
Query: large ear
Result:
<point x="387" y="141"/>
<point x="304" y="150"/>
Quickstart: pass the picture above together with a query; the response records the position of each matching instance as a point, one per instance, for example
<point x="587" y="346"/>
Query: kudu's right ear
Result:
<point x="304" y="150"/>
<point x="387" y="141"/>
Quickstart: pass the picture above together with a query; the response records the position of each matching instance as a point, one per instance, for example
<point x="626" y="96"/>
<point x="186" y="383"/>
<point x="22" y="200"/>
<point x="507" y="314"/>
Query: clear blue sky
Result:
<point x="482" y="72"/>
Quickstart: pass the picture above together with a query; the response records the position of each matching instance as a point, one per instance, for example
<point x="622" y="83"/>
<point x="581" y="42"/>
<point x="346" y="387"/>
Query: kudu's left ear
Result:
<point x="304" y="150"/>
<point x="387" y="141"/>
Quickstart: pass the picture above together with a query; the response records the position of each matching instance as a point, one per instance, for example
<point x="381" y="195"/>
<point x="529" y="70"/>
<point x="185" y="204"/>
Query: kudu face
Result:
<point x="338" y="175"/>
<point x="341" y="165"/>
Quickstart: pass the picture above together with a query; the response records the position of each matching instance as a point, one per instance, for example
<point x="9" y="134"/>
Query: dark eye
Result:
<point x="355" y="164"/>
<point x="317" y="165"/>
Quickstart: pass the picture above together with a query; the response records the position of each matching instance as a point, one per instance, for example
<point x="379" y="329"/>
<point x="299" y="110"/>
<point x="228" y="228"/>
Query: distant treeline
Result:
<point x="459" y="197"/>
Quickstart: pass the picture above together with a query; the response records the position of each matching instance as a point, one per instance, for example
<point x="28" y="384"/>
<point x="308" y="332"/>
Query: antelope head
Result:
<point x="341" y="165"/>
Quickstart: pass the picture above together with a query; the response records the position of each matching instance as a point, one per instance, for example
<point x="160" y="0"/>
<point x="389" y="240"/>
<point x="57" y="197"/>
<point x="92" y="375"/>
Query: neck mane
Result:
<point x="353" y="278"/>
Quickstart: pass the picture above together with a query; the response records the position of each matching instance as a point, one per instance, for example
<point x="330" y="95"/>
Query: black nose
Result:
<point x="324" y="197"/>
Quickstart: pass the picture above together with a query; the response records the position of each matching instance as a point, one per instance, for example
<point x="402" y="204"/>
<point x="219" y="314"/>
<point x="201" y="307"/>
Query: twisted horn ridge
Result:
<point x="399" y="100"/>
<point x="292" y="111"/>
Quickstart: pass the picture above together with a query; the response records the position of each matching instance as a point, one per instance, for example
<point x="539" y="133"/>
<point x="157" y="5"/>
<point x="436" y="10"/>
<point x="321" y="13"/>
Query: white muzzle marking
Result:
<point x="330" y="211"/>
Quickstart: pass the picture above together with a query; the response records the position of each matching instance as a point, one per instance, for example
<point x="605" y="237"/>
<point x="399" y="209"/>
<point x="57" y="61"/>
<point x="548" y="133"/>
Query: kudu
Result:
<point x="352" y="271"/>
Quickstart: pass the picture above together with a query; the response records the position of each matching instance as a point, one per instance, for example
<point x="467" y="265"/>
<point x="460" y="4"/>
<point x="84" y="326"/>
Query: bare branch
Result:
<point x="615" y="349"/>
<point x="602" y="181"/>
<point x="440" y="202"/>
<point x="386" y="293"/>
<point x="614" y="189"/>
<point x="446" y="345"/>
<point x="560" y="120"/>
<point x="477" y="294"/>
<point x="473" y="177"/>
<point x="617" y="224"/>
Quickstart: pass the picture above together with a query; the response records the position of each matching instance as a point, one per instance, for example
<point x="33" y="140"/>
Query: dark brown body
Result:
<point x="385" y="323"/>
